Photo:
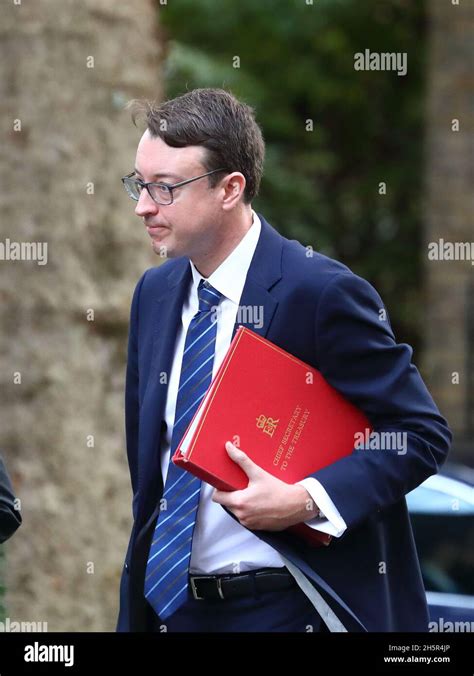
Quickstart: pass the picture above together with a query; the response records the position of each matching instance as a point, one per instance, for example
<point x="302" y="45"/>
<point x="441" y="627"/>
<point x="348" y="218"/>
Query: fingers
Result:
<point x="242" y="459"/>
<point x="230" y="499"/>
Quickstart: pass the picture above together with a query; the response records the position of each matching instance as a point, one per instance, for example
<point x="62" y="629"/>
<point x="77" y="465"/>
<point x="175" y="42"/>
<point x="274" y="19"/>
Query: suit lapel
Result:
<point x="168" y="309"/>
<point x="257" y="305"/>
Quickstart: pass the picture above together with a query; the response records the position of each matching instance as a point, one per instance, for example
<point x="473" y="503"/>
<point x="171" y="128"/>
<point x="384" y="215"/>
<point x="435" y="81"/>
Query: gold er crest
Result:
<point x="268" y="425"/>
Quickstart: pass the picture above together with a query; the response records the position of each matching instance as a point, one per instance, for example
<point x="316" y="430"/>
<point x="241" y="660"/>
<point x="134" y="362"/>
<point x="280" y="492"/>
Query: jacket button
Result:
<point x="126" y="567"/>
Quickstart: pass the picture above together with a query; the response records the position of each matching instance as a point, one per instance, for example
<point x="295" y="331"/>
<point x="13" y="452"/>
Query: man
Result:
<point x="10" y="517"/>
<point x="205" y="560"/>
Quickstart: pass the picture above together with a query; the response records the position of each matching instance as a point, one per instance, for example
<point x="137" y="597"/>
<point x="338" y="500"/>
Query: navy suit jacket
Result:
<point x="10" y="518"/>
<point x="316" y="309"/>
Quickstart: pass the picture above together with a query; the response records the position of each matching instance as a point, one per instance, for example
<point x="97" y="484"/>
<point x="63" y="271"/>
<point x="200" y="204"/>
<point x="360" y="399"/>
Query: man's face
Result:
<point x="190" y="225"/>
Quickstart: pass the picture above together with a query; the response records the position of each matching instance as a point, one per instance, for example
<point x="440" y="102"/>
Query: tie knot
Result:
<point x="208" y="296"/>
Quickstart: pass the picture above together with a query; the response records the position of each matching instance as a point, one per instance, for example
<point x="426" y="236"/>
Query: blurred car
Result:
<point x="442" y="514"/>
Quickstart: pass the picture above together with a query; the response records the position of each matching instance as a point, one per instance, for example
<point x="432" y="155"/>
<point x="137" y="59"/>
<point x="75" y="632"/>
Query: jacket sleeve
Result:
<point x="357" y="353"/>
<point x="10" y="518"/>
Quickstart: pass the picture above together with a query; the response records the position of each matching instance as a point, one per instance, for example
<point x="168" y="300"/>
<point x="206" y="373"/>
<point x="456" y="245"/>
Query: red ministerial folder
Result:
<point x="277" y="409"/>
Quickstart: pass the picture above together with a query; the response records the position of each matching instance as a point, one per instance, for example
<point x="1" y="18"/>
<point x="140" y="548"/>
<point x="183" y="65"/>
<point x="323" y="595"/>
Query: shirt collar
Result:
<point x="229" y="278"/>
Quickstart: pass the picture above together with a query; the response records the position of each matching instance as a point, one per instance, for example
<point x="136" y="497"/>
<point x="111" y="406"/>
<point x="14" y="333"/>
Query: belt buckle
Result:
<point x="219" y="588"/>
<point x="192" y="581"/>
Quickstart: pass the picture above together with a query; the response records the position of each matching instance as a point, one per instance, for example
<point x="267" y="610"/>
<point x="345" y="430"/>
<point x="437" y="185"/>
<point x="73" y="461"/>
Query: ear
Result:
<point x="233" y="186"/>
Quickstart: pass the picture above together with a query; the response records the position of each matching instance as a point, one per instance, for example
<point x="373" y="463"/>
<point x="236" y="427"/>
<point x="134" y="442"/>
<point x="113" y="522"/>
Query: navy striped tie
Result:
<point x="166" y="578"/>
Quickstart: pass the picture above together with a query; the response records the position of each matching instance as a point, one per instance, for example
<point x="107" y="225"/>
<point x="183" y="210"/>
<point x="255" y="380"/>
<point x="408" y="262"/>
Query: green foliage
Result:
<point x="322" y="186"/>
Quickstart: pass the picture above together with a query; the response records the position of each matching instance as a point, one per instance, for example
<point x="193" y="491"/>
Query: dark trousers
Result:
<point x="286" y="611"/>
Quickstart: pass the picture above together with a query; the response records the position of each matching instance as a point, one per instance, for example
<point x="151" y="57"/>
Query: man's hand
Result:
<point x="267" y="503"/>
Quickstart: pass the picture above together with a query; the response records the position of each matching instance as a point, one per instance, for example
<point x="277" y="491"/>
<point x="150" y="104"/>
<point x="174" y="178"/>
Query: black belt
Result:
<point x="229" y="586"/>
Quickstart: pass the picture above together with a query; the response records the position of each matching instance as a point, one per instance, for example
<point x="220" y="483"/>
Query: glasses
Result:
<point x="161" y="193"/>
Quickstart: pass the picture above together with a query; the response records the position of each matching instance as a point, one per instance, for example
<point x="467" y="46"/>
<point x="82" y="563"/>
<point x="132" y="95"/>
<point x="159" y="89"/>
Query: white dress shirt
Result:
<point x="220" y="544"/>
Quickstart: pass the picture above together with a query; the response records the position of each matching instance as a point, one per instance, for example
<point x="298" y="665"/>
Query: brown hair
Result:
<point x="216" y="120"/>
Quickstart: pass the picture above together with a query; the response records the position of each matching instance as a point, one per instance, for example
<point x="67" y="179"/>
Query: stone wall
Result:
<point x="449" y="309"/>
<point x="66" y="70"/>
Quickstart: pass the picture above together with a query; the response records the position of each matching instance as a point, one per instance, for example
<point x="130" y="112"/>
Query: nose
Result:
<point x="146" y="205"/>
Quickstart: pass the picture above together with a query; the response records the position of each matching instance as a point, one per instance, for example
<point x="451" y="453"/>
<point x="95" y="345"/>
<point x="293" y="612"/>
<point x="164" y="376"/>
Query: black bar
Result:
<point x="94" y="653"/>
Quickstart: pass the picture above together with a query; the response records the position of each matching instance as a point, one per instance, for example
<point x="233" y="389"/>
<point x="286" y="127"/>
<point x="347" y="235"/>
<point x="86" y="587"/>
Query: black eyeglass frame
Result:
<point x="164" y="185"/>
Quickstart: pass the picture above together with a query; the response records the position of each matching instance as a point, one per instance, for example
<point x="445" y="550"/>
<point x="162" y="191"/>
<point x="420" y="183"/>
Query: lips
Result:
<point x="155" y="229"/>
